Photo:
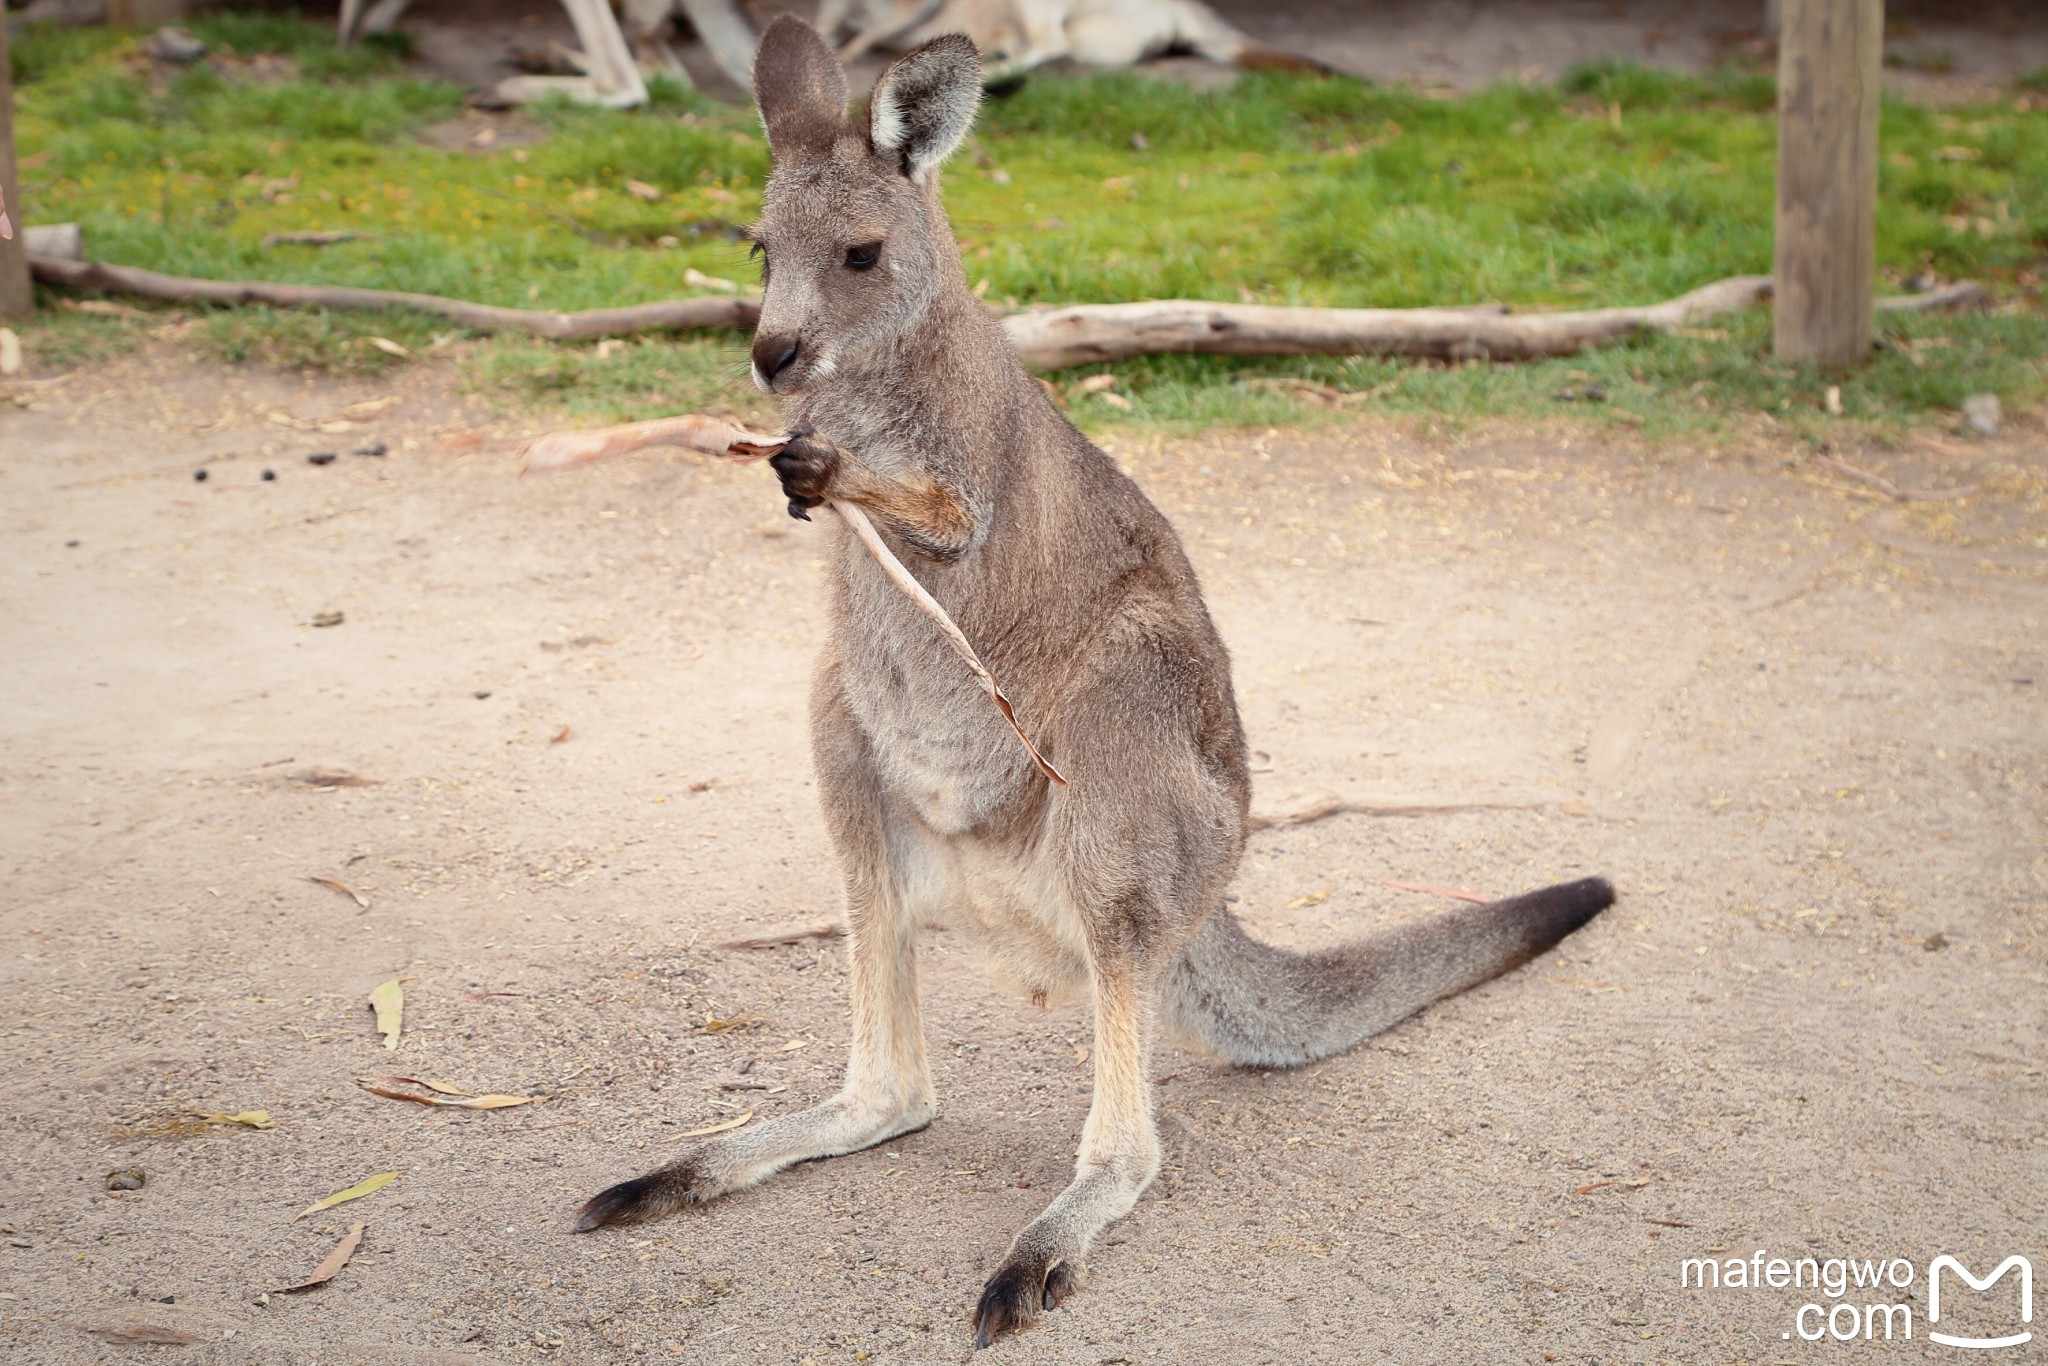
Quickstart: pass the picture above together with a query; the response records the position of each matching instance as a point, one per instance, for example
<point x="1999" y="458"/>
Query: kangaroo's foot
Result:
<point x="729" y="1162"/>
<point x="1044" y="1264"/>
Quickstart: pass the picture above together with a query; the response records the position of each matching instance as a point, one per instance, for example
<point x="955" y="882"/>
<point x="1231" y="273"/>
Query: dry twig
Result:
<point x="829" y="929"/>
<point x="1891" y="490"/>
<point x="669" y="315"/>
<point x="1324" y="810"/>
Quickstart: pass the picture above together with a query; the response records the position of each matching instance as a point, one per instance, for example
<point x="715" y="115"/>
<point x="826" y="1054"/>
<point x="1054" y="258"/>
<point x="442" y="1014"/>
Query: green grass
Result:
<point x="1618" y="185"/>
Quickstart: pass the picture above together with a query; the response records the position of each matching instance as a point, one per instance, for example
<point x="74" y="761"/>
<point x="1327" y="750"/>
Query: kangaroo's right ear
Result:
<point x="924" y="104"/>
<point x="800" y="89"/>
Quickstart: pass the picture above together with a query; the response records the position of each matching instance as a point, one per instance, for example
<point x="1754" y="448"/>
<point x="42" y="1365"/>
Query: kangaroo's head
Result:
<point x="855" y="245"/>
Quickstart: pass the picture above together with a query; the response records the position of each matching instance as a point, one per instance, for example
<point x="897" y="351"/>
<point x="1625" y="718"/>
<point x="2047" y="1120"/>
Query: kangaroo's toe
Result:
<point x="652" y="1196"/>
<point x="1017" y="1293"/>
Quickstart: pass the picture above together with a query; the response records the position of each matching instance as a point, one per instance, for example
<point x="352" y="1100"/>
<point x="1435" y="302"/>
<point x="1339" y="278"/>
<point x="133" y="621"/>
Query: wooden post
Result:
<point x="1830" y="64"/>
<point x="17" y="298"/>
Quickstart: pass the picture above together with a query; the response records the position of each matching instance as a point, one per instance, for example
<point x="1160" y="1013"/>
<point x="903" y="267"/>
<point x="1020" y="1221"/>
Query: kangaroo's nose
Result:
<point x="773" y="355"/>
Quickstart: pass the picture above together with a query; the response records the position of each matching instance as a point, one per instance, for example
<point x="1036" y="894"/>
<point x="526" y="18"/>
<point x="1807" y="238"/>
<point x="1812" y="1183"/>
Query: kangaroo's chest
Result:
<point x="939" y="745"/>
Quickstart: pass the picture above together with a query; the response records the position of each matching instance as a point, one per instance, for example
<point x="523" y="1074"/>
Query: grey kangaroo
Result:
<point x="909" y="403"/>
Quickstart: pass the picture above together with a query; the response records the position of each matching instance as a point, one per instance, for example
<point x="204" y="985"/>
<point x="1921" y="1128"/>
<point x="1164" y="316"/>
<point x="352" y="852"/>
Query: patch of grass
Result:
<point x="58" y="339"/>
<point x="1618" y="185"/>
<point x="628" y="379"/>
<point x="1661" y="385"/>
<point x="314" y="339"/>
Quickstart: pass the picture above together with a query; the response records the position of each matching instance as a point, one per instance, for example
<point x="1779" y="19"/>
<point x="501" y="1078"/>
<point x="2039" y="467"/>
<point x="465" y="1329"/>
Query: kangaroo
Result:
<point x="907" y="401"/>
<point x="1016" y="35"/>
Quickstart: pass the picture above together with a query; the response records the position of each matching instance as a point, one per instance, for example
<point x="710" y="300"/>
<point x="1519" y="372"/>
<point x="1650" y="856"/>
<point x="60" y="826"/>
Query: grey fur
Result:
<point x="1079" y="597"/>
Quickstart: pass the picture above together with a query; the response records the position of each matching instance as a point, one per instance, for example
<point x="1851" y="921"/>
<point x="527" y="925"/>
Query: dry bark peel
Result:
<point x="712" y="436"/>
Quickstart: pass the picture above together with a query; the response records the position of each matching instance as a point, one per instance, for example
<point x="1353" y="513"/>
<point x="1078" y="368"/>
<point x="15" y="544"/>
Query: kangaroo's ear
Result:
<point x="924" y="104"/>
<point x="800" y="89"/>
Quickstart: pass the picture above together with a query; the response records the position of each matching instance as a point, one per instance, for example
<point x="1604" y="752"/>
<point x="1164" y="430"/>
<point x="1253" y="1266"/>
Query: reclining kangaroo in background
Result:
<point x="1080" y="598"/>
<point x="1017" y="35"/>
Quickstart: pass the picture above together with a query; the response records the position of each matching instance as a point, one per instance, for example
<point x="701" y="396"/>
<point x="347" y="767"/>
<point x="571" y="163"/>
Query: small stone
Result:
<point x="173" y="44"/>
<point x="1935" y="943"/>
<point x="374" y="448"/>
<point x="269" y="476"/>
<point x="322" y="620"/>
<point x="127" y="1179"/>
<point x="321" y="458"/>
<point x="481" y="694"/>
<point x="1983" y="413"/>
<point x="199" y="476"/>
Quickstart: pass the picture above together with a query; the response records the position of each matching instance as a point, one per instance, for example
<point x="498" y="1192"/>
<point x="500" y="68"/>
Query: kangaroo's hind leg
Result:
<point x="888" y="1088"/>
<point x="1138" y="865"/>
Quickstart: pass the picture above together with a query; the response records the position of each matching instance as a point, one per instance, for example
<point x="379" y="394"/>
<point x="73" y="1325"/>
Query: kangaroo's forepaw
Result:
<point x="807" y="467"/>
<point x="653" y="1196"/>
<point x="1018" y="1292"/>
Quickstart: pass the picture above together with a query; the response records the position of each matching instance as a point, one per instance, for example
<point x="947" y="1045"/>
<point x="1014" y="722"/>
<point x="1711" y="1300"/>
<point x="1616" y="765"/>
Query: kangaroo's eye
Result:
<point x="863" y="258"/>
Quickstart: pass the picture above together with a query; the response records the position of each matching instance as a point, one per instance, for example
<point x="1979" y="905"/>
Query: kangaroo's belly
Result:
<point x="1012" y="909"/>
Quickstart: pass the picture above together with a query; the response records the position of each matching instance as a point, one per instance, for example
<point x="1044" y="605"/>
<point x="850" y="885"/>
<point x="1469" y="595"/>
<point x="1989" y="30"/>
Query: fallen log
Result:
<point x="1051" y="339"/>
<point x="1093" y="333"/>
<point x="666" y="316"/>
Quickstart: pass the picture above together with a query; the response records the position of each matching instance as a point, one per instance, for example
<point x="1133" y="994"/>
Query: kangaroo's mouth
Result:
<point x="795" y="377"/>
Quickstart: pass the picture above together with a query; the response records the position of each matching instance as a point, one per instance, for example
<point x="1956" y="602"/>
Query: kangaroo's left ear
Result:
<point x="924" y="104"/>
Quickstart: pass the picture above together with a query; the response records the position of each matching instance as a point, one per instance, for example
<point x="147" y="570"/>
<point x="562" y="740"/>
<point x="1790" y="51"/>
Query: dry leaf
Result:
<point x="10" y="352"/>
<point x="246" y="1119"/>
<point x="1436" y="889"/>
<point x="486" y="995"/>
<point x="1312" y="899"/>
<point x="1116" y="401"/>
<point x="697" y="279"/>
<point x="560" y="735"/>
<point x="367" y="1186"/>
<point x="388" y="1000"/>
<point x="792" y="1046"/>
<point x="334" y="1262"/>
<point x="718" y="1128"/>
<point x="640" y="189"/>
<point x="470" y="1100"/>
<point x="389" y="347"/>
<point x="714" y="1025"/>
<point x="344" y="889"/>
<point x="366" y="407"/>
<point x="1095" y="384"/>
<point x="442" y="1087"/>
<point x="105" y="308"/>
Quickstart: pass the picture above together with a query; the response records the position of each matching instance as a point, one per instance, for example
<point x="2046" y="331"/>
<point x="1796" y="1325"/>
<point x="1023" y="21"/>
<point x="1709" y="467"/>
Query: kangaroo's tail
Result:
<point x="1261" y="1006"/>
<point x="1267" y="59"/>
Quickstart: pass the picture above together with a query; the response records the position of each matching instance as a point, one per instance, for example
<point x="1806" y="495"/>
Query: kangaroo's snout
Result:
<point x="773" y="354"/>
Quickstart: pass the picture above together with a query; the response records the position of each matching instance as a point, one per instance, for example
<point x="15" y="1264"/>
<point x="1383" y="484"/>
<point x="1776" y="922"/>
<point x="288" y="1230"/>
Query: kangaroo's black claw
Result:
<point x="796" y="510"/>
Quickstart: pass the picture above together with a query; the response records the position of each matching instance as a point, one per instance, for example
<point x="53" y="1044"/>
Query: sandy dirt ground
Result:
<point x="1801" y="727"/>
